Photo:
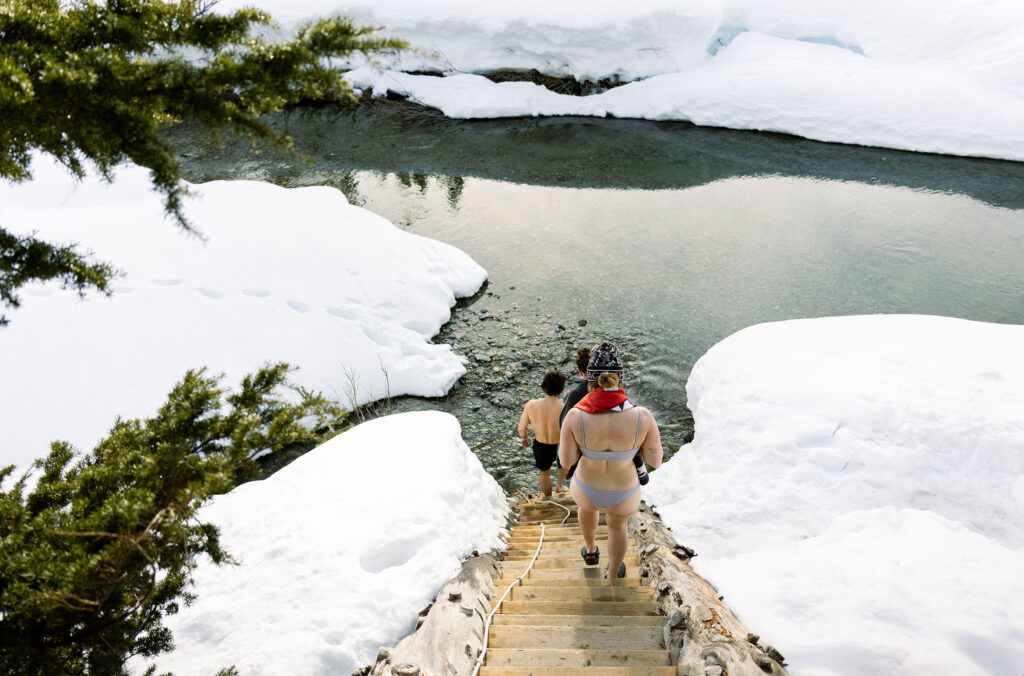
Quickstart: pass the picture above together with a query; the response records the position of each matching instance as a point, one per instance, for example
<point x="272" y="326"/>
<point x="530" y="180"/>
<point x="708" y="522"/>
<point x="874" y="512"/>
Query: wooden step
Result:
<point x="549" y="551"/>
<point x="506" y="657"/>
<point x="562" y="659"/>
<point x="568" y="543"/>
<point x="554" y="523"/>
<point x="515" y="568"/>
<point x="530" y="542"/>
<point x="579" y="620"/>
<point x="578" y="608"/>
<point x="551" y="532"/>
<point x="568" y="583"/>
<point x="510" y="562"/>
<point x="568" y="529"/>
<point x="573" y="583"/>
<point x="607" y="594"/>
<point x="579" y="671"/>
<point x="627" y="637"/>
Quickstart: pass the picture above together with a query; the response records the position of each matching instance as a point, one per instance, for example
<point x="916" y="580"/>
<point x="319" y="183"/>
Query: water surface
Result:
<point x="666" y="236"/>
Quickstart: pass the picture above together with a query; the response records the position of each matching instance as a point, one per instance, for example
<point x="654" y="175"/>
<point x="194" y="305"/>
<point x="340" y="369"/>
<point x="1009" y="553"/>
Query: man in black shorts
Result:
<point x="542" y="415"/>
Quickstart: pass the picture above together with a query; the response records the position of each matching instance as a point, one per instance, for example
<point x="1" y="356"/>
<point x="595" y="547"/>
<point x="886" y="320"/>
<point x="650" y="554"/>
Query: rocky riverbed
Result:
<point x="508" y="354"/>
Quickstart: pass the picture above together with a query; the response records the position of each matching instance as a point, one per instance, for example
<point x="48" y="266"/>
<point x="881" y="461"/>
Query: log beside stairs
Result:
<point x="562" y="618"/>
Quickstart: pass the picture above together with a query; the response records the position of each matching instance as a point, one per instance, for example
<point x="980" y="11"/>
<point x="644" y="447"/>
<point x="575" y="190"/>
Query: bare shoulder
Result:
<point x="532" y="404"/>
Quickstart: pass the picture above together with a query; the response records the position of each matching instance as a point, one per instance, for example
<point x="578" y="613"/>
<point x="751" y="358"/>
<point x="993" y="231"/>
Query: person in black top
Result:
<point x="580" y="391"/>
<point x="571" y="399"/>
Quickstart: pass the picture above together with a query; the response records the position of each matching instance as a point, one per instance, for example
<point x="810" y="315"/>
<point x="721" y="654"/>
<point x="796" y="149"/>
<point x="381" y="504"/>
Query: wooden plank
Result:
<point x="569" y="582"/>
<point x="568" y="528"/>
<point x="510" y="572"/>
<point x="557" y="561"/>
<point x="578" y="671"/>
<point x="572" y="551"/>
<point x="607" y="594"/>
<point x="578" y="608"/>
<point x="579" y="620"/>
<point x="564" y="539"/>
<point x="573" y="532"/>
<point x="628" y="637"/>
<point x="554" y="522"/>
<point x="498" y="657"/>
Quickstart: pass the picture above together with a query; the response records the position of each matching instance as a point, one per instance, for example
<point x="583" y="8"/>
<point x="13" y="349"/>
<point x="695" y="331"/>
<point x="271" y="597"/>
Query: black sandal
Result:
<point x="590" y="559"/>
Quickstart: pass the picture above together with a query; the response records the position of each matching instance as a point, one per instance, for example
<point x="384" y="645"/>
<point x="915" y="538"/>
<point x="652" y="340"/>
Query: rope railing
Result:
<point x="487" y="622"/>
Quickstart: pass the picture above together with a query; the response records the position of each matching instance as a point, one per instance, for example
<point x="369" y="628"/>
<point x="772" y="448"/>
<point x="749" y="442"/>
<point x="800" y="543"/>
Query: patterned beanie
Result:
<point x="604" y="359"/>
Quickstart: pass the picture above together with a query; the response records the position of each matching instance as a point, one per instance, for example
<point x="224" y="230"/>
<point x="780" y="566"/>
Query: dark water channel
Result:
<point x="664" y="237"/>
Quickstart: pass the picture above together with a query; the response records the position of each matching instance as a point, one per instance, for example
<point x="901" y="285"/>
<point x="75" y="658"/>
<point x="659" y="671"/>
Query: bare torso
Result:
<point x="611" y="431"/>
<point x="542" y="414"/>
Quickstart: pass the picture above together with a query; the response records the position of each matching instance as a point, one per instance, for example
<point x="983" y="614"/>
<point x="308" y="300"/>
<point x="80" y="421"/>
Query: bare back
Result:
<point x="542" y="414"/>
<point x="611" y="431"/>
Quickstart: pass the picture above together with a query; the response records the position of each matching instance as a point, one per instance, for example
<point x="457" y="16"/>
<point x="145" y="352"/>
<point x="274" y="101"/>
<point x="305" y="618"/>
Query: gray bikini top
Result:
<point x="595" y="454"/>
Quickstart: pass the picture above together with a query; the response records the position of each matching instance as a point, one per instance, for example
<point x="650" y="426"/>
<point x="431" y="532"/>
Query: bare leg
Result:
<point x="588" y="514"/>
<point x="618" y="538"/>
<point x="560" y="486"/>
<point x="545" y="482"/>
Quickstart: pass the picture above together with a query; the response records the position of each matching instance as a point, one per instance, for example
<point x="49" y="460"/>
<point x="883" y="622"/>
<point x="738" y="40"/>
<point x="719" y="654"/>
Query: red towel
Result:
<point x="602" y="400"/>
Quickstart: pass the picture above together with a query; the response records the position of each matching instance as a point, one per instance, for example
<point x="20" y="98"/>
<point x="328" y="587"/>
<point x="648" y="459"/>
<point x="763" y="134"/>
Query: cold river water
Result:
<point x="663" y="237"/>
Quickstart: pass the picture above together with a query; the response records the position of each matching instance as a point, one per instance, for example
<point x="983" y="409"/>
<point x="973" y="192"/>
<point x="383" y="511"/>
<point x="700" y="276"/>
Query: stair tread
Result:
<point x="579" y="607"/>
<point x="633" y="637"/>
<point x="579" y="620"/>
<point x="539" y="670"/>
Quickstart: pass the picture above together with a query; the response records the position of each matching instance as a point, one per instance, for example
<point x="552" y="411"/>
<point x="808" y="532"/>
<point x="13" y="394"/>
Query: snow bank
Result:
<point x="855" y="489"/>
<point x="338" y="551"/>
<point x="283" y="275"/>
<point x="944" y="77"/>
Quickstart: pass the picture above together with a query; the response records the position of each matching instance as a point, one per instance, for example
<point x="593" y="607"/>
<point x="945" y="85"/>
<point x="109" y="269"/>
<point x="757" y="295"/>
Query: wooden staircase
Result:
<point x="563" y="618"/>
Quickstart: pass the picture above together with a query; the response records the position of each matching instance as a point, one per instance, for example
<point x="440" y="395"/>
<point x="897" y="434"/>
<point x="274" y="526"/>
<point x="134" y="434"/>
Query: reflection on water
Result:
<point x="693" y="266"/>
<point x="674" y="233"/>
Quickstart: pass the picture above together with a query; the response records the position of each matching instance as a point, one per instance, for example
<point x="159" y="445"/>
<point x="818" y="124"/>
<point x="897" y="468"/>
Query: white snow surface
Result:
<point x="295" y="275"/>
<point x="855" y="489"/>
<point x="939" y="76"/>
<point x="338" y="551"/>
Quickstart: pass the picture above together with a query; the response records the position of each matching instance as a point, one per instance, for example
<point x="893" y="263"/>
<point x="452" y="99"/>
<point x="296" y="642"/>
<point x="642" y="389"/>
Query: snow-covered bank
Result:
<point x="855" y="489"/>
<point x="283" y="275"/>
<point x="944" y="77"/>
<point x="338" y="551"/>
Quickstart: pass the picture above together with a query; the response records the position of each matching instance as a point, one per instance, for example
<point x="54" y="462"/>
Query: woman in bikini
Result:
<point x="607" y="430"/>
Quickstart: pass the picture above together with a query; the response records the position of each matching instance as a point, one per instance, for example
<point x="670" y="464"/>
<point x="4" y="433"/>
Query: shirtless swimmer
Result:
<point x="542" y="415"/>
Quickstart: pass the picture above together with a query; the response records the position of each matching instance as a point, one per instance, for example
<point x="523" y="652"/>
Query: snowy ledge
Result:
<point x="339" y="550"/>
<point x="293" y="275"/>
<point x="943" y="78"/>
<point x="855" y="489"/>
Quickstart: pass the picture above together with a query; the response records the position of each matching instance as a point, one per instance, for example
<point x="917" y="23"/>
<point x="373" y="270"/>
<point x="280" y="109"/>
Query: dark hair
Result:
<point x="553" y="383"/>
<point x="582" y="359"/>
